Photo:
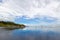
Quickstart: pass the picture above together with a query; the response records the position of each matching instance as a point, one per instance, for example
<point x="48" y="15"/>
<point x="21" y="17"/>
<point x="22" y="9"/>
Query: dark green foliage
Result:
<point x="11" y="25"/>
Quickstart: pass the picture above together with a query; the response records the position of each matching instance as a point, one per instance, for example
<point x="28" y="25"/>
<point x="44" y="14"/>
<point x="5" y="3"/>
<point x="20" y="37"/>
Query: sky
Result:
<point x="30" y="11"/>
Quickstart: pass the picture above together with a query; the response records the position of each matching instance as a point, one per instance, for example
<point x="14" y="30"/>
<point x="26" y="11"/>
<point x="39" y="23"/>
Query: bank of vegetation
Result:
<point x="11" y="25"/>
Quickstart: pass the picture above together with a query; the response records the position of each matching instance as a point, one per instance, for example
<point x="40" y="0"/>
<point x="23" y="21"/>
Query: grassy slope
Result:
<point x="11" y="25"/>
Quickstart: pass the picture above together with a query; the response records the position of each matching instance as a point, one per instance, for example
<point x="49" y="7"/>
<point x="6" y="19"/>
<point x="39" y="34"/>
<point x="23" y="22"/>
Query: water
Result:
<point x="28" y="35"/>
<point x="35" y="35"/>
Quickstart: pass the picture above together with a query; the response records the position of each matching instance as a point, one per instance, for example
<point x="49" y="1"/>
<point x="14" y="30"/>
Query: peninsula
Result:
<point x="11" y="25"/>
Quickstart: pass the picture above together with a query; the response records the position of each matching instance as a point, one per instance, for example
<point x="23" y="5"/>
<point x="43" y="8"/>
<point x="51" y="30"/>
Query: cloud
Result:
<point x="36" y="7"/>
<point x="31" y="9"/>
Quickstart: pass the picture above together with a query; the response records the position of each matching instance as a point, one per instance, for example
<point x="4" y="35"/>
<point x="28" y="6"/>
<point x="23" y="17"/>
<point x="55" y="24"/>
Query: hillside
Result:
<point x="11" y="25"/>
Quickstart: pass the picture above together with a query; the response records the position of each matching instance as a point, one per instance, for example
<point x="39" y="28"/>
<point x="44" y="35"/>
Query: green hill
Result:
<point x="11" y="25"/>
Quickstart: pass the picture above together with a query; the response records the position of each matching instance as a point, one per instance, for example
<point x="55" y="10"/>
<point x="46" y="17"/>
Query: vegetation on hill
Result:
<point x="11" y="25"/>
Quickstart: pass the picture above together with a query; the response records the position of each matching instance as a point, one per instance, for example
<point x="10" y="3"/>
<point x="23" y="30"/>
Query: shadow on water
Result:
<point x="28" y="35"/>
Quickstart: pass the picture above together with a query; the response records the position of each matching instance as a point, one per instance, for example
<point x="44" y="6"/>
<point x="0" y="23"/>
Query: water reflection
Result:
<point x="35" y="35"/>
<point x="28" y="35"/>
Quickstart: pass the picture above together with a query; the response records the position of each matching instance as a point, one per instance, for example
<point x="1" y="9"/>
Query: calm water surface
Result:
<point x="28" y="35"/>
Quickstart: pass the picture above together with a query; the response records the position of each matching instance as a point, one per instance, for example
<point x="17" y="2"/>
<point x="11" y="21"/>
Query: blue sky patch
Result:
<point x="23" y="20"/>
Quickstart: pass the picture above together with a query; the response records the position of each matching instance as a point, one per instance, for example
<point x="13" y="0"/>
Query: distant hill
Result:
<point x="11" y="25"/>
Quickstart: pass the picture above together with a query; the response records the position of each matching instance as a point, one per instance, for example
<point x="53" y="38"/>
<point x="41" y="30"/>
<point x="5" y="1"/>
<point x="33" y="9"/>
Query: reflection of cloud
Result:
<point x="5" y="35"/>
<point x="36" y="35"/>
<point x="53" y="27"/>
<point x="28" y="35"/>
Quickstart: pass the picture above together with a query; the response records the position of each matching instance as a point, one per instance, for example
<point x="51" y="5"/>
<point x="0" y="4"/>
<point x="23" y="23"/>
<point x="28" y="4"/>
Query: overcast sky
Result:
<point x="30" y="11"/>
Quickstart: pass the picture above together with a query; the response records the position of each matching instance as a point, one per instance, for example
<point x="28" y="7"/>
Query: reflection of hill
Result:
<point x="11" y="25"/>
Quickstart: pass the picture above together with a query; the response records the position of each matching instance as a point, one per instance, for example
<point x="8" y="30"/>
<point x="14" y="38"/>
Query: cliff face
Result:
<point x="11" y="25"/>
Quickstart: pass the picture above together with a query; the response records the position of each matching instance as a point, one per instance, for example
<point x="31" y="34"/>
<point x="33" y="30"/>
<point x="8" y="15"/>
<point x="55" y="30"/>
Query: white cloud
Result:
<point x="9" y="9"/>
